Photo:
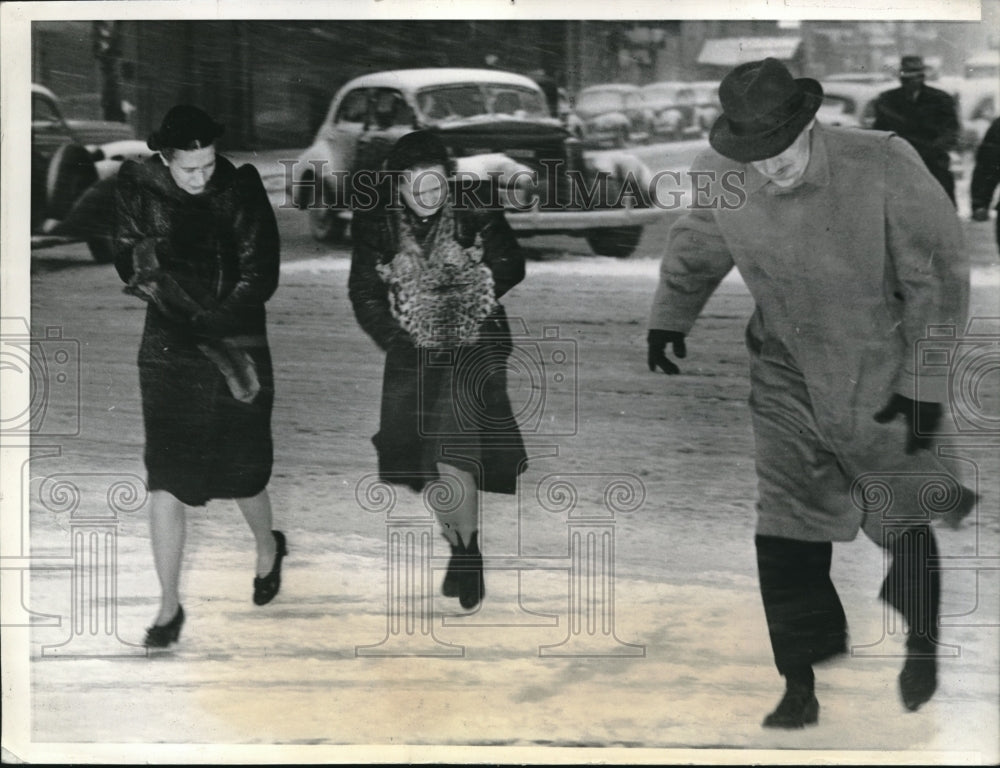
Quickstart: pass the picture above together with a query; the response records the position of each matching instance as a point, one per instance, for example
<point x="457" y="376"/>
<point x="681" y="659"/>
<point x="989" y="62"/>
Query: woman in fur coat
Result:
<point x="196" y="238"/>
<point x="425" y="280"/>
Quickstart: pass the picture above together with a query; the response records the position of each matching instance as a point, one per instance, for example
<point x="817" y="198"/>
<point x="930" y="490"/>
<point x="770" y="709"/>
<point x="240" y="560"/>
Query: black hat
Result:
<point x="912" y="66"/>
<point x="416" y="149"/>
<point x="764" y="109"/>
<point x="185" y="127"/>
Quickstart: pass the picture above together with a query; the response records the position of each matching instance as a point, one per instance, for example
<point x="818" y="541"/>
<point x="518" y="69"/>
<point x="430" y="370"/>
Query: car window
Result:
<point x="522" y="102"/>
<point x="390" y="108"/>
<point x="353" y="108"/>
<point x="452" y="102"/>
<point x="42" y="110"/>
<point x="984" y="110"/>
<point x="686" y="96"/>
<point x="867" y="118"/>
<point x="600" y="101"/>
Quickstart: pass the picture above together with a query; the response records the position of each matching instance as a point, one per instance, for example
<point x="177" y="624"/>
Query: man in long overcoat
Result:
<point x="986" y="176"/>
<point x="850" y="254"/>
<point x="924" y="116"/>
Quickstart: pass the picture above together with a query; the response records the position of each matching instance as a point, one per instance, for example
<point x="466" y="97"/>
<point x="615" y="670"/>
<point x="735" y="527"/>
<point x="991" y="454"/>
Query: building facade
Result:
<point x="271" y="82"/>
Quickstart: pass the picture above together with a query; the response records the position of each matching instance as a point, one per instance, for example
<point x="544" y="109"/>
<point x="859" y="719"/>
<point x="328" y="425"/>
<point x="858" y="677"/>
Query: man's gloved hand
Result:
<point x="658" y="341"/>
<point x="919" y="415"/>
<point x="980" y="214"/>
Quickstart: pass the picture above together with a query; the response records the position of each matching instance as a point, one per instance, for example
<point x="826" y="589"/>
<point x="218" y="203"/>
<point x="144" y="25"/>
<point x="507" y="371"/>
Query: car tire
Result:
<point x="617" y="242"/>
<point x="325" y="225"/>
<point x="71" y="172"/>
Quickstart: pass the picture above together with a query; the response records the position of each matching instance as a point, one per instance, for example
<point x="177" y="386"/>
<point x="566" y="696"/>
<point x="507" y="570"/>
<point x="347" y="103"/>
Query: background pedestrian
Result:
<point x="986" y="176"/>
<point x="926" y="117"/>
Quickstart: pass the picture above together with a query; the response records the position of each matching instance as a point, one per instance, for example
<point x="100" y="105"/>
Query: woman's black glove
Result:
<point x="920" y="416"/>
<point x="658" y="341"/>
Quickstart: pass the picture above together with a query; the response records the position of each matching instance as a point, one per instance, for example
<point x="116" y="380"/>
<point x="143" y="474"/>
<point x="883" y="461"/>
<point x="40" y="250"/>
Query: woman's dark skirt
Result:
<point x="202" y="443"/>
<point x="451" y="406"/>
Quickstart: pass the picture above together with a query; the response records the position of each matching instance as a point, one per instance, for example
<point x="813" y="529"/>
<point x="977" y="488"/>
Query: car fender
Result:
<point x="515" y="180"/>
<point x="108" y="157"/>
<point x="70" y="172"/>
<point x="496" y="164"/>
<point x="620" y="165"/>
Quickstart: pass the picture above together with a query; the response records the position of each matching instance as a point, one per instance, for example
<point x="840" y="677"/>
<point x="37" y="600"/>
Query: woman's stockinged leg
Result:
<point x="457" y="506"/>
<point x="167" y="524"/>
<point x="257" y="511"/>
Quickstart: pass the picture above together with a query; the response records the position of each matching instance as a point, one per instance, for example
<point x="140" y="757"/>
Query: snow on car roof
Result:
<point x="430" y="76"/>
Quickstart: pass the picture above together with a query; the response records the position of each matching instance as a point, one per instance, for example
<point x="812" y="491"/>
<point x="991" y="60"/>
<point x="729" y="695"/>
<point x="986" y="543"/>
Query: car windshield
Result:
<point x="601" y="101"/>
<point x="660" y="92"/>
<point x="459" y="102"/>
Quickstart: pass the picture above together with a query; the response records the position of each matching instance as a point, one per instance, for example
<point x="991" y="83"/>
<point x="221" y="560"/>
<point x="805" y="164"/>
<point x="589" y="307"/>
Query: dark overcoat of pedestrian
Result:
<point x="447" y="405"/>
<point x="222" y="248"/>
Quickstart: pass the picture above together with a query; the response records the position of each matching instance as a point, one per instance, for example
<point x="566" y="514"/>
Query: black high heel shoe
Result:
<point x="266" y="587"/>
<point x="163" y="635"/>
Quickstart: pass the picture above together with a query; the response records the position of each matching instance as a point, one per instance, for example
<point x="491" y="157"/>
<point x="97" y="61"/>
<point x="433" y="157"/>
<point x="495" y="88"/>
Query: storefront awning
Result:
<point x="730" y="51"/>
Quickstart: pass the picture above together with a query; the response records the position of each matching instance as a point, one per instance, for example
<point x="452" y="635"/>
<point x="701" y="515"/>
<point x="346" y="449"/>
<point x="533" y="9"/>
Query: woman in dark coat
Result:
<point x="425" y="279"/>
<point x="196" y="238"/>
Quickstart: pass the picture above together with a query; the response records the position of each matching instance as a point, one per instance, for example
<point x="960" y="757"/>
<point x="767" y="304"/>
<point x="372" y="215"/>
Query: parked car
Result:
<point x="849" y="103"/>
<point x="73" y="164"/>
<point x="682" y="110"/>
<point x="672" y="104"/>
<point x="497" y="127"/>
<point x="614" y="115"/>
<point x="706" y="104"/>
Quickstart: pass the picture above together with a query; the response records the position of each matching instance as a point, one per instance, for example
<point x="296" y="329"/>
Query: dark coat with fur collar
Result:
<point x="452" y="409"/>
<point x="222" y="248"/>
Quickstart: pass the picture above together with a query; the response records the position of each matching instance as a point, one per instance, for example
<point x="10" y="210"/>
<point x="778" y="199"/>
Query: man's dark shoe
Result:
<point x="797" y="709"/>
<point x="918" y="680"/>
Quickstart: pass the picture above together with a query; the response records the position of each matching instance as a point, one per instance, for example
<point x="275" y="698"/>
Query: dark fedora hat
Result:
<point x="185" y="127"/>
<point x="764" y="109"/>
<point x="912" y="66"/>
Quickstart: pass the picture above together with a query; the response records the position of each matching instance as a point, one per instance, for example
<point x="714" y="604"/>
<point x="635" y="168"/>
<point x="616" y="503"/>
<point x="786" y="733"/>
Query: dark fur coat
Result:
<point x="221" y="248"/>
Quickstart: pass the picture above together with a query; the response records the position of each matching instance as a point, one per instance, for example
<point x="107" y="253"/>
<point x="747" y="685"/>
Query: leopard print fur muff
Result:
<point x="439" y="293"/>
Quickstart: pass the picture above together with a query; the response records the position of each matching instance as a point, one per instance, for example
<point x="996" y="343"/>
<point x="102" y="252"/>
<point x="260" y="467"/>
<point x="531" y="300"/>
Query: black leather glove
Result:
<point x="920" y="416"/>
<point x="658" y="341"/>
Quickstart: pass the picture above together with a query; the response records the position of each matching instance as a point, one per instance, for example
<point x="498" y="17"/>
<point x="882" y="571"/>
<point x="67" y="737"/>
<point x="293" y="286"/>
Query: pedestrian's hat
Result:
<point x="417" y="149"/>
<point x="912" y="66"/>
<point x="185" y="127"/>
<point x="764" y="109"/>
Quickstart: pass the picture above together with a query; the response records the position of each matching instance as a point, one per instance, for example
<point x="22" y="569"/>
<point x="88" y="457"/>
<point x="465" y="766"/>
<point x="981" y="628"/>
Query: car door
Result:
<point x="346" y="127"/>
